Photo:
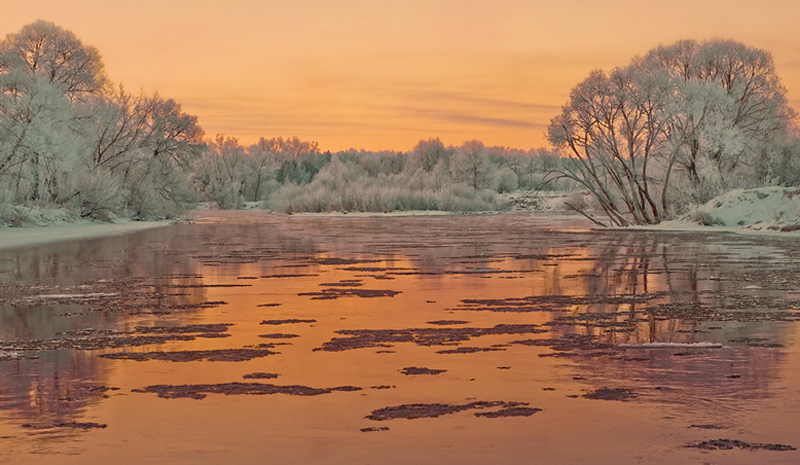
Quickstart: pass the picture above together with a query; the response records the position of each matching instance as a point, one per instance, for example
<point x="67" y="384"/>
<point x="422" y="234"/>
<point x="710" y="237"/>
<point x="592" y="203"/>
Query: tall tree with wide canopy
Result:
<point x="42" y="50"/>
<point x="713" y="113"/>
<point x="69" y="137"/>
<point x="42" y="67"/>
<point x="728" y="110"/>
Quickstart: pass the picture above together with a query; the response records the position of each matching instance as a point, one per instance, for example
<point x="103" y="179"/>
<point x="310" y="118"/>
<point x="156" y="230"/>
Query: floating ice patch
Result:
<point x="92" y="295"/>
<point x="6" y="356"/>
<point x="672" y="345"/>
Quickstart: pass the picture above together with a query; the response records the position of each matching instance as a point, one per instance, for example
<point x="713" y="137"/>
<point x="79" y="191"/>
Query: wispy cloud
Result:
<point x="388" y="112"/>
<point x="497" y="105"/>
<point x="466" y="118"/>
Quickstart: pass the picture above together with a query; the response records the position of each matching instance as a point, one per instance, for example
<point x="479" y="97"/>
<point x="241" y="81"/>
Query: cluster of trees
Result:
<point x="292" y="175"/>
<point x="69" y="137"/>
<point x="230" y="174"/>
<point x="677" y="127"/>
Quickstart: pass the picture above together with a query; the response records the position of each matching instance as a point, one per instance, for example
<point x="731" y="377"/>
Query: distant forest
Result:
<point x="290" y="175"/>
<point x="644" y="142"/>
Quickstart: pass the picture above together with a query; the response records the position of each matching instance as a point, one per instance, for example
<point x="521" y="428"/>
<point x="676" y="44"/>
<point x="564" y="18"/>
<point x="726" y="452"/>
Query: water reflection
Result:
<point x="78" y="289"/>
<point x="575" y="310"/>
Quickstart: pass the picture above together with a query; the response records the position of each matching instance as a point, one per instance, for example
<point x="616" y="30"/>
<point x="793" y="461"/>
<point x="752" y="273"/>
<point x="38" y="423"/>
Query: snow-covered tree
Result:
<point x="694" y="116"/>
<point x="171" y="133"/>
<point x="613" y="127"/>
<point x="116" y="129"/>
<point x="68" y="137"/>
<point x="728" y="114"/>
<point x="44" y="70"/>
<point x="220" y="174"/>
<point x="262" y="165"/>
<point x="42" y="50"/>
<point x="470" y="164"/>
<point x="426" y="155"/>
<point x="291" y="145"/>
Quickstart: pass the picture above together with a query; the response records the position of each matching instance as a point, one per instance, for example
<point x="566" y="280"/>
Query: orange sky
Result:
<point x="383" y="74"/>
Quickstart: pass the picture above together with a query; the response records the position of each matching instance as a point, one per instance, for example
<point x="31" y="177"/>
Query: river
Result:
<point x="241" y="337"/>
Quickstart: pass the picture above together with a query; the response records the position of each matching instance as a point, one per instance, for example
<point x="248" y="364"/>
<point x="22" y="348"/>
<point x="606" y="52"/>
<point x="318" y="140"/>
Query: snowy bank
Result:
<point x="767" y="208"/>
<point x="772" y="209"/>
<point x="385" y="214"/>
<point x="33" y="235"/>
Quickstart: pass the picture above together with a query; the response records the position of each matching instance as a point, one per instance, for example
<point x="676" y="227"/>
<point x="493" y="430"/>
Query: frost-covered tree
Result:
<point x="44" y="69"/>
<point x="220" y="174"/>
<point x="118" y="127"/>
<point x="426" y="155"/>
<point x="68" y="137"/>
<point x="691" y="117"/>
<point x="291" y="145"/>
<point x="470" y="164"/>
<point x="263" y="163"/>
<point x="613" y="127"/>
<point x="37" y="139"/>
<point x="44" y="51"/>
<point x="171" y="133"/>
<point x="729" y="114"/>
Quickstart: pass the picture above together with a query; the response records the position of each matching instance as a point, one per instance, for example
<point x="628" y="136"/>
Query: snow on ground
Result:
<point x="90" y="295"/>
<point x="767" y="208"/>
<point x="6" y="356"/>
<point x="386" y="214"/>
<point x="774" y="210"/>
<point x="35" y="235"/>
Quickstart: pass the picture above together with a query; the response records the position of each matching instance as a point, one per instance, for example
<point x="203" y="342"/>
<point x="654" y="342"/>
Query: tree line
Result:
<point x="289" y="175"/>
<point x="674" y="128"/>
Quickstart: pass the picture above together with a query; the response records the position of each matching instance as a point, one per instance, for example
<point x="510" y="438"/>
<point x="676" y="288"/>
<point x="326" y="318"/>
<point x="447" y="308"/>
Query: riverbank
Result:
<point x="765" y="211"/>
<point x="771" y="211"/>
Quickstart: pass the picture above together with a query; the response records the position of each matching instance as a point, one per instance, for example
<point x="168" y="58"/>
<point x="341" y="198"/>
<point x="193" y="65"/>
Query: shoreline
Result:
<point x="12" y="238"/>
<point x="676" y="226"/>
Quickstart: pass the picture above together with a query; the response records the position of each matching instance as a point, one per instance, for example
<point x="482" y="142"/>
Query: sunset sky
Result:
<point x="385" y="74"/>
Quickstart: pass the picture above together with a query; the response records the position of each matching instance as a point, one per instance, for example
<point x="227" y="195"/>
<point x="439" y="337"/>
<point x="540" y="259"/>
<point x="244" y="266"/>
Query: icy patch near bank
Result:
<point x="92" y="295"/>
<point x="27" y="236"/>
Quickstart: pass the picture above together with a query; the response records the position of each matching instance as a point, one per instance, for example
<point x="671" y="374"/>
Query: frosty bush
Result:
<point x="346" y="185"/>
<point x="95" y="194"/>
<point x="34" y="215"/>
<point x="505" y="180"/>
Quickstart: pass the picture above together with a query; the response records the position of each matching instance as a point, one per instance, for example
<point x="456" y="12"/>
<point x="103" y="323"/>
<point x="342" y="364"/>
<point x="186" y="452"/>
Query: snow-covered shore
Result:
<point x="35" y="235"/>
<point x="766" y="211"/>
<point x="771" y="211"/>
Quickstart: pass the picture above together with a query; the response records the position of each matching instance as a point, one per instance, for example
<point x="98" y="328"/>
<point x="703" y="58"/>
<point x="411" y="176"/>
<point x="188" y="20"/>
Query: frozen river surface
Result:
<point x="491" y="339"/>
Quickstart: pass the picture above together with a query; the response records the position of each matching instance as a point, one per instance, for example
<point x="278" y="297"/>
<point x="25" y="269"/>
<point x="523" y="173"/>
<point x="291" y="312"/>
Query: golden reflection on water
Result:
<point x="610" y="284"/>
